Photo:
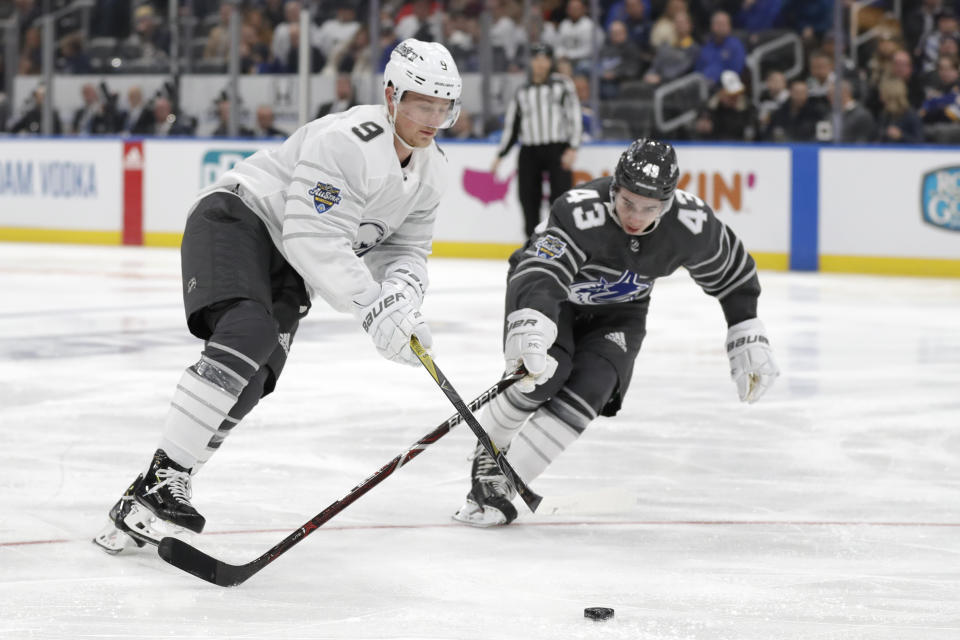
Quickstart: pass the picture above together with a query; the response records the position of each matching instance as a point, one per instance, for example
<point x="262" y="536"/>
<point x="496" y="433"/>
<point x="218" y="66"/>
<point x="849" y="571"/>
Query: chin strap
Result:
<point x="391" y="118"/>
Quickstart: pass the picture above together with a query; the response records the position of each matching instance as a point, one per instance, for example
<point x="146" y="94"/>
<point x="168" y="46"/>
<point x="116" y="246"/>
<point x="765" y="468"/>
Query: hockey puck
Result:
<point x="598" y="613"/>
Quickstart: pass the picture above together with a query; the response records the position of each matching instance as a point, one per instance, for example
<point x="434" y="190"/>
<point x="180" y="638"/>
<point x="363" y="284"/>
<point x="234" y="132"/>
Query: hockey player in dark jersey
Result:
<point x="576" y="306"/>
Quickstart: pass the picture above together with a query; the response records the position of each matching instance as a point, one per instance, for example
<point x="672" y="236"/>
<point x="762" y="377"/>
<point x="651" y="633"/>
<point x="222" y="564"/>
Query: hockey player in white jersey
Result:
<point x="344" y="209"/>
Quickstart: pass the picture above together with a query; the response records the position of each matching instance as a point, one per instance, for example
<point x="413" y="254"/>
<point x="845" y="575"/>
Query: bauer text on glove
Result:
<point x="752" y="365"/>
<point x="529" y="334"/>
<point x="390" y="320"/>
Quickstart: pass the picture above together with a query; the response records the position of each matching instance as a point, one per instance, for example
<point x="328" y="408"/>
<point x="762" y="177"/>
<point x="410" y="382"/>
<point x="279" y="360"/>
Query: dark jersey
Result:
<point x="584" y="257"/>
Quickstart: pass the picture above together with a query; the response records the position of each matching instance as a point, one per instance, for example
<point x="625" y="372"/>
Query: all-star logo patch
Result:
<point x="550" y="247"/>
<point x="325" y="196"/>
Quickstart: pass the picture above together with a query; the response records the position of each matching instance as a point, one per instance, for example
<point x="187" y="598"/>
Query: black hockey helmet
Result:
<point x="540" y="49"/>
<point x="648" y="168"/>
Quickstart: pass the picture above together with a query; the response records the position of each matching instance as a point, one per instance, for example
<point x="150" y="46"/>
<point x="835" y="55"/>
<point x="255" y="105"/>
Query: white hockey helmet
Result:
<point x="426" y="68"/>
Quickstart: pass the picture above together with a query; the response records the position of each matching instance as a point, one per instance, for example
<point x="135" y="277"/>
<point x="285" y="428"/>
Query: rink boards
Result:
<point x="893" y="210"/>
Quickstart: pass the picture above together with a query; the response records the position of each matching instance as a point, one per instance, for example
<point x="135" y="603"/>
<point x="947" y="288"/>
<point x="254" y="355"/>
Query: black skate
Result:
<point x="489" y="502"/>
<point x="162" y="494"/>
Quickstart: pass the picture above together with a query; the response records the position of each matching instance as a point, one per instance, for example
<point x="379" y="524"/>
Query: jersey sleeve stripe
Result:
<point x="546" y="265"/>
<point x="723" y="294"/>
<point x="519" y="274"/>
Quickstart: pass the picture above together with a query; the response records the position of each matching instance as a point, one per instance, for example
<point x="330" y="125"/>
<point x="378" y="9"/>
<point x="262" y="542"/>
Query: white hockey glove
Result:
<point x="405" y="276"/>
<point x="529" y="335"/>
<point x="752" y="365"/>
<point x="390" y="320"/>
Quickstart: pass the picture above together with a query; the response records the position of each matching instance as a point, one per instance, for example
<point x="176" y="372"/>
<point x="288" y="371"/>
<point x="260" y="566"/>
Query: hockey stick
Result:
<point x="190" y="559"/>
<point x="531" y="498"/>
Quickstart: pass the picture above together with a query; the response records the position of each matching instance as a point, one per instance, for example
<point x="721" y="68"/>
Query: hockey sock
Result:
<point x="549" y="431"/>
<point x="504" y="416"/>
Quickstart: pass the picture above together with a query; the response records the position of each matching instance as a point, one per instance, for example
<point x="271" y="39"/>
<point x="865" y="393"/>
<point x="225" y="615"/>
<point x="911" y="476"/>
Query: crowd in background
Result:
<point x="905" y="87"/>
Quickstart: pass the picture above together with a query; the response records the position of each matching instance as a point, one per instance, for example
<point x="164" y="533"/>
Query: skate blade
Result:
<point x="474" y="515"/>
<point x="112" y="540"/>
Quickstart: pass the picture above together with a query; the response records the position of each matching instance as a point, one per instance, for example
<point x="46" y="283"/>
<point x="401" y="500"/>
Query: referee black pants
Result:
<point x="534" y="160"/>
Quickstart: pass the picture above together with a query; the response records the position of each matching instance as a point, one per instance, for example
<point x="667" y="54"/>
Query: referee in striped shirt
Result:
<point x="545" y="117"/>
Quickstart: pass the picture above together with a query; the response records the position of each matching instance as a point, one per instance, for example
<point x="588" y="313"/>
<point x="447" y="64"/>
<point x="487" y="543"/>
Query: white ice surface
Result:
<point x="831" y="509"/>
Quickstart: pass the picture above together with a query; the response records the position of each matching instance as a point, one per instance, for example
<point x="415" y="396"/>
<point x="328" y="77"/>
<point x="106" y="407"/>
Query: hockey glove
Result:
<point x="529" y="335"/>
<point x="390" y="320"/>
<point x="406" y="278"/>
<point x="752" y="365"/>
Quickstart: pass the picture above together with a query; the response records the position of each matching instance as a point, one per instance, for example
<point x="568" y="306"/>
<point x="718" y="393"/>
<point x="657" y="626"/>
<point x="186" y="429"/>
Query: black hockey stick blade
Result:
<point x="531" y="499"/>
<point x="190" y="559"/>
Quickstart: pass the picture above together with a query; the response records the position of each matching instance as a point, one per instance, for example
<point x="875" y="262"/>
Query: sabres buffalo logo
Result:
<point x="628" y="287"/>
<point x="369" y="234"/>
<point x="325" y="196"/>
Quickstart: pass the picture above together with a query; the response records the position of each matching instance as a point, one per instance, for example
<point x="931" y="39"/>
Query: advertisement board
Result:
<point x="895" y="203"/>
<point x="61" y="185"/>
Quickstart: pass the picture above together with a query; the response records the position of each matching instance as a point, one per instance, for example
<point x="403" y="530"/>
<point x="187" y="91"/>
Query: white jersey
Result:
<point x="339" y="206"/>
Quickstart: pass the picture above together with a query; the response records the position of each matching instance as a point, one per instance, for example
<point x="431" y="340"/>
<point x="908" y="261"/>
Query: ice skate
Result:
<point x="489" y="502"/>
<point x="156" y="504"/>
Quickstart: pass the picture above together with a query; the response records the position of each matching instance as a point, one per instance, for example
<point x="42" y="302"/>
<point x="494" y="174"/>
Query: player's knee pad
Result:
<point x="589" y="387"/>
<point x="243" y="338"/>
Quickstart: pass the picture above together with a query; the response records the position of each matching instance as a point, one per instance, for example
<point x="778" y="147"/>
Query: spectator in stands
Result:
<point x="275" y="13"/>
<point x="811" y="18"/>
<point x="796" y="120"/>
<point x="581" y="84"/>
<point x="947" y="28"/>
<point x="821" y="77"/>
<point x="217" y="46"/>
<point x="290" y="63"/>
<point x="619" y="60"/>
<point x="898" y="122"/>
<point x="31" y="120"/>
<point x="756" y="16"/>
<point x="663" y="30"/>
<point x="254" y="54"/>
<point x="461" y="37"/>
<point x="334" y="33"/>
<point x="345" y="97"/>
<point x="919" y="22"/>
<point x="223" y="123"/>
<point x="30" y="52"/>
<point x="74" y="59"/>
<point x="423" y="22"/>
<point x="506" y="36"/>
<point x="138" y="119"/>
<point x="721" y="51"/>
<point x="943" y="97"/>
<point x="265" y="127"/>
<point x="729" y="114"/>
<point x="673" y="61"/>
<point x="256" y="19"/>
<point x="353" y="56"/>
<point x="152" y="38"/>
<point x="575" y="36"/>
<point x="772" y="97"/>
<point x="901" y="67"/>
<point x="167" y="123"/>
<point x="880" y="64"/>
<point x="281" y="44"/>
<point x="636" y="14"/>
<point x="91" y="118"/>
<point x="857" y="122"/>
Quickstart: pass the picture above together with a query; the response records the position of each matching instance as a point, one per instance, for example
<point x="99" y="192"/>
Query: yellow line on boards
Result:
<point x="926" y="267"/>
<point x="60" y="236"/>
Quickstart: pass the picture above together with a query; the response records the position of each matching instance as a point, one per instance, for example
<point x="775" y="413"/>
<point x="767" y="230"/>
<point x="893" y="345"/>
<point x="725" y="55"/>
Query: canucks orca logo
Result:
<point x="325" y="196"/>
<point x="940" y="198"/>
<point x="370" y="234"/>
<point x="550" y="247"/>
<point x="626" y="288"/>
